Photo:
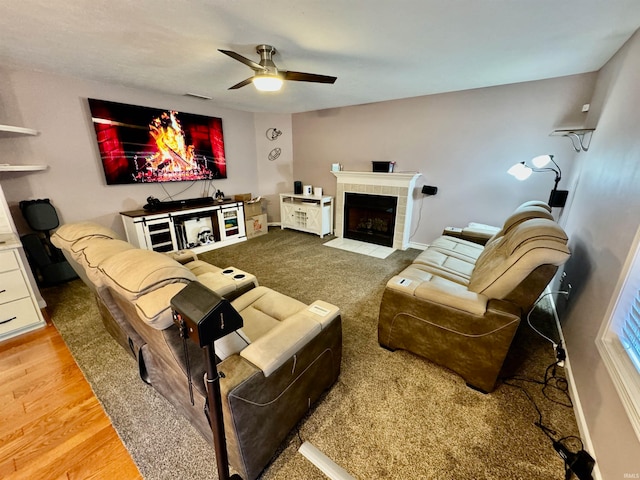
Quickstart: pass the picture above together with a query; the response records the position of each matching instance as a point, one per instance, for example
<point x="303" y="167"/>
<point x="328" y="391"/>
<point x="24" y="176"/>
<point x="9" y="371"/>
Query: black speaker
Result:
<point x="297" y="187"/>
<point x="558" y="198"/>
<point x="429" y="190"/>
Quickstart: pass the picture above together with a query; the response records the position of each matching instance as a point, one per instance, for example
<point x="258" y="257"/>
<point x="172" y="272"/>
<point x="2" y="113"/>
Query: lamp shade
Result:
<point x="520" y="171"/>
<point x="267" y="83"/>
<point x="542" y="160"/>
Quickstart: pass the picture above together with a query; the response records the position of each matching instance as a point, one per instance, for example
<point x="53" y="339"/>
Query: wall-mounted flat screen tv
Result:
<point x="149" y="145"/>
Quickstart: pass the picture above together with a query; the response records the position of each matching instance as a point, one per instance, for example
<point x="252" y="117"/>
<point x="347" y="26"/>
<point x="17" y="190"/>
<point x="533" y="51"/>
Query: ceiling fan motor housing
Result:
<point x="266" y="52"/>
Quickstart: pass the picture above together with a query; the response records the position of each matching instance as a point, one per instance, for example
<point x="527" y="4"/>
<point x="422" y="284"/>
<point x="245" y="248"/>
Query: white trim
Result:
<point x="419" y="246"/>
<point x="400" y="179"/>
<point x="625" y="377"/>
<point x="585" y="436"/>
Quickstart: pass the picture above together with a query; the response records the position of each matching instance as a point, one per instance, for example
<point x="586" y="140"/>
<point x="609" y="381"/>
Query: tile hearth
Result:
<point x="363" y="248"/>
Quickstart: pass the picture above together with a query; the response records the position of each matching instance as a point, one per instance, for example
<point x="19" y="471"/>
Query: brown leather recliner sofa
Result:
<point x="459" y="304"/>
<point x="275" y="367"/>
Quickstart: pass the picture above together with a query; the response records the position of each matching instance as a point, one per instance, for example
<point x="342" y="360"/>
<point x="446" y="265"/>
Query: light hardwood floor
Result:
<point x="51" y="424"/>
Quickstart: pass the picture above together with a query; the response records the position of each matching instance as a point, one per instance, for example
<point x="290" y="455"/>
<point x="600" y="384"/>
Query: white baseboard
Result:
<point x="419" y="246"/>
<point x="577" y="406"/>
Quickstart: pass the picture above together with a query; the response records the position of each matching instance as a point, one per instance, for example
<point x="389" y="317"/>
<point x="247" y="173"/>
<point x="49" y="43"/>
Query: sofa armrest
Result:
<point x="279" y="344"/>
<point x="476" y="234"/>
<point x="438" y="290"/>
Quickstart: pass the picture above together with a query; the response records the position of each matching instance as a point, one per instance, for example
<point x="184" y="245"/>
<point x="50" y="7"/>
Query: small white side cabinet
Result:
<point x="308" y="213"/>
<point x="199" y="229"/>
<point x="19" y="310"/>
<point x="20" y="299"/>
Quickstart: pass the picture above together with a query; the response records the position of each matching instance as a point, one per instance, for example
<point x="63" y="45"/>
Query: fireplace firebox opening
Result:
<point x="370" y="218"/>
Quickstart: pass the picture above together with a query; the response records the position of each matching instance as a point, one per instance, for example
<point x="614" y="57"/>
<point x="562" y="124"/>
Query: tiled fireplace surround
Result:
<point x="399" y="185"/>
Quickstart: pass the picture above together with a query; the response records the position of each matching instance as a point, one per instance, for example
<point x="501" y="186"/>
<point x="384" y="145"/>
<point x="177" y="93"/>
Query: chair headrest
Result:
<point x="67" y="235"/>
<point x="535" y="203"/>
<point x="39" y="214"/>
<point x="529" y="245"/>
<point x="522" y="214"/>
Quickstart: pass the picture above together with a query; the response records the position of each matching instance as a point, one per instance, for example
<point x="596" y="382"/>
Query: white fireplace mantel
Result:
<point x="399" y="179"/>
<point x="400" y="184"/>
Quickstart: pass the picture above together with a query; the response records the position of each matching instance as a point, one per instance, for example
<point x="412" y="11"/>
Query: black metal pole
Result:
<point x="215" y="414"/>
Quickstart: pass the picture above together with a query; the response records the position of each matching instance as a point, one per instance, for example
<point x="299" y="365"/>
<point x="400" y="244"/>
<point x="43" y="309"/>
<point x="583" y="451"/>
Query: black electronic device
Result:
<point x="558" y="198"/>
<point x="206" y="315"/>
<point x="154" y="204"/>
<point x="580" y="463"/>
<point x="382" y="167"/>
<point x="297" y="187"/>
<point x="429" y="190"/>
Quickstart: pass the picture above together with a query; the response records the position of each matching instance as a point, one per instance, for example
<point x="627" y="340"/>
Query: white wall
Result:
<point x="601" y="223"/>
<point x="57" y="107"/>
<point x="461" y="142"/>
<point x="274" y="176"/>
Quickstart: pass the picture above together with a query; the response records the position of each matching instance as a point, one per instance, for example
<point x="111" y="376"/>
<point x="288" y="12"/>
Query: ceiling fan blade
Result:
<point x="307" y="77"/>
<point x="242" y="83"/>
<point x="250" y="63"/>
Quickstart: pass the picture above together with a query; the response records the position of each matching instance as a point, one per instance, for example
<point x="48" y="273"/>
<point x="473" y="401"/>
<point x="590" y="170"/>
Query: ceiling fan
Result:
<point x="266" y="76"/>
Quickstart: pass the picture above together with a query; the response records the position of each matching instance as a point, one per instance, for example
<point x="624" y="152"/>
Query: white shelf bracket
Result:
<point x="580" y="137"/>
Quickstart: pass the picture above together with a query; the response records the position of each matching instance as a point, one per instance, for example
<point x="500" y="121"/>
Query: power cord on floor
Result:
<point x="576" y="460"/>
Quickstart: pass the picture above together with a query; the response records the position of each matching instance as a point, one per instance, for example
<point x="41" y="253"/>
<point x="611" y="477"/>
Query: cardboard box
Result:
<point x="252" y="209"/>
<point x="243" y="197"/>
<point x="256" y="225"/>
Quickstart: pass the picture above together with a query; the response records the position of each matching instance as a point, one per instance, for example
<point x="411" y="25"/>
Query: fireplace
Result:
<point x="370" y="218"/>
<point x="397" y="186"/>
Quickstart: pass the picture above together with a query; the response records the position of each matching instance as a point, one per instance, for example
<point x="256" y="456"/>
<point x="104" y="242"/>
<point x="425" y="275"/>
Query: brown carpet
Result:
<point x="391" y="415"/>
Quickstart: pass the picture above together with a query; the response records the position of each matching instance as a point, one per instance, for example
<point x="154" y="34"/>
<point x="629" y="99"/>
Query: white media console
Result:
<point x="308" y="213"/>
<point x="199" y="229"/>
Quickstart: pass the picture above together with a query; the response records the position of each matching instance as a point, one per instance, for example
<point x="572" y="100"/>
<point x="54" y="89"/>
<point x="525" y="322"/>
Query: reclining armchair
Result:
<point x="275" y="367"/>
<point x="459" y="304"/>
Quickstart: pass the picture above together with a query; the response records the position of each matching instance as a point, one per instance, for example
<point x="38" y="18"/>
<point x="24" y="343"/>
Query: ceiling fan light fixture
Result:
<point x="267" y="83"/>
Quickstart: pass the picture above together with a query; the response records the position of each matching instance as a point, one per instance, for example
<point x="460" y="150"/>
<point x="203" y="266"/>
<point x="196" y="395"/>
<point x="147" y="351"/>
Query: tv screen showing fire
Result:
<point x="148" y="145"/>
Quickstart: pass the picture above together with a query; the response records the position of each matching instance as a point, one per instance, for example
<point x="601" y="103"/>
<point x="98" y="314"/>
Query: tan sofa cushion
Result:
<point x="136" y="272"/>
<point x="72" y="237"/>
<point x="95" y="251"/>
<point x="449" y="264"/>
<point x="263" y="309"/>
<point x="457" y="247"/>
<point x="198" y="267"/>
<point x="155" y="307"/>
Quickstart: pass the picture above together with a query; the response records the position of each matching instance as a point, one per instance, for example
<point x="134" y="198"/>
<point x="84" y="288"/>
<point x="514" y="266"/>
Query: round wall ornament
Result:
<point x="274" y="154"/>
<point x="273" y="133"/>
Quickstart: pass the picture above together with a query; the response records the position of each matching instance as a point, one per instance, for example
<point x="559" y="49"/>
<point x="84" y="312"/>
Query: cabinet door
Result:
<point x="160" y="235"/>
<point x="231" y="223"/>
<point x="314" y="219"/>
<point x="287" y="214"/>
